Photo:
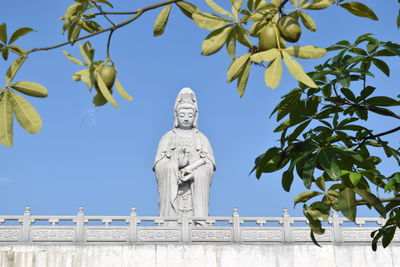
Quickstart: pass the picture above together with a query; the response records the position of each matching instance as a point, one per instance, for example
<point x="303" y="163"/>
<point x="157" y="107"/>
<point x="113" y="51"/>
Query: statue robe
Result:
<point x="166" y="167"/>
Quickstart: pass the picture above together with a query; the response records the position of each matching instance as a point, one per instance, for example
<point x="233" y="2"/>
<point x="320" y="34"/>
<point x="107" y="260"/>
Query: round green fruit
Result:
<point x="289" y="29"/>
<point x="267" y="37"/>
<point x="108" y="75"/>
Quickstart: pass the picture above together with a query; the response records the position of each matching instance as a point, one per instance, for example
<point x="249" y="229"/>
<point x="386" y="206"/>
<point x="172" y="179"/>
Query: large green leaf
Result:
<point x="359" y="9"/>
<point x="382" y="101"/>
<point x="287" y="179"/>
<point x="307" y="21"/>
<point x="122" y="91"/>
<point x="105" y="92"/>
<point x="305" y="196"/>
<point x="236" y="67"/>
<point x="215" y="40"/>
<point x="30" y="88"/>
<point x="297" y="70"/>
<point x="273" y="73"/>
<point x="308" y="171"/>
<point x="3" y="33"/>
<point x="380" y="64"/>
<point x="372" y="200"/>
<point x="243" y="78"/>
<point x="347" y="204"/>
<point x="6" y="121"/>
<point x="161" y="21"/>
<point x="317" y="4"/>
<point x="19" y="33"/>
<point x="328" y="161"/>
<point x="187" y="8"/>
<point x="87" y="52"/>
<point x="25" y="113"/>
<point x="306" y="52"/>
<point x="217" y="8"/>
<point x="209" y="21"/>
<point x="268" y="55"/>
<point x="13" y="69"/>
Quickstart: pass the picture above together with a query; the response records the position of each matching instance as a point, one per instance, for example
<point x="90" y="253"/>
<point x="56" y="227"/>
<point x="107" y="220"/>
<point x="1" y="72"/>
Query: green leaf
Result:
<point x="105" y="2"/>
<point x="105" y="92"/>
<point x="231" y="45"/>
<point x="305" y="196"/>
<point x="307" y="21"/>
<point x="4" y="54"/>
<point x="215" y="40"/>
<point x="268" y="55"/>
<point x="382" y="101"/>
<point x="359" y="9"/>
<point x="161" y="21"/>
<point x="355" y="177"/>
<point x="122" y="91"/>
<point x="3" y="33"/>
<point x="75" y="60"/>
<point x="317" y="4"/>
<point x="388" y="235"/>
<point x="380" y="64"/>
<point x="306" y="52"/>
<point x="243" y="78"/>
<point x="348" y="94"/>
<point x="297" y="70"/>
<point x="86" y="52"/>
<point x="26" y="115"/>
<point x="187" y="8"/>
<point x="30" y="88"/>
<point x="217" y="8"/>
<point x="6" y="121"/>
<point x="372" y="200"/>
<point x="242" y="37"/>
<point x="236" y="67"/>
<point x="347" y="204"/>
<point x="17" y="50"/>
<point x="19" y="33"/>
<point x="209" y="21"/>
<point x="273" y="73"/>
<point x="328" y="161"/>
<point x="308" y="171"/>
<point x="13" y="69"/>
<point x="398" y="20"/>
<point x="367" y="91"/>
<point x="287" y="179"/>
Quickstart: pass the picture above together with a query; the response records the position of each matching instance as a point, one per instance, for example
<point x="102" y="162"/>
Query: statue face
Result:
<point x="185" y="118"/>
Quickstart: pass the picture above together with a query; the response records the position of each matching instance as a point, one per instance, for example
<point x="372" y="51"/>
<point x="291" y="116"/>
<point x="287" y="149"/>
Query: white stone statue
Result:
<point x="184" y="164"/>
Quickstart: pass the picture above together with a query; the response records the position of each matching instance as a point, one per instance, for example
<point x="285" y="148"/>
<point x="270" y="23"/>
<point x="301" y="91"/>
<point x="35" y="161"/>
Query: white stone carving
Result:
<point x="211" y="235"/>
<point x="258" y="235"/>
<point x="9" y="235"/>
<point x="159" y="235"/>
<point x="304" y="235"/>
<point x="357" y="234"/>
<point x="106" y="235"/>
<point x="52" y="235"/>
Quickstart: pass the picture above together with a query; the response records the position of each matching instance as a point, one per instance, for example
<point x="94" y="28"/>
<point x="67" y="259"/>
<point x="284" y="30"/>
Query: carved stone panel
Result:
<point x="106" y="235"/>
<point x="53" y="235"/>
<point x="260" y="235"/>
<point x="304" y="235"/>
<point x="211" y="235"/>
<point x="9" y="235"/>
<point x="356" y="234"/>
<point x="158" y="235"/>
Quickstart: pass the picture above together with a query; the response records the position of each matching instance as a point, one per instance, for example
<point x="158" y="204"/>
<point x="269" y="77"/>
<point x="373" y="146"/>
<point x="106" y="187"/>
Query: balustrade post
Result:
<point x="26" y="224"/>
<point x="287" y="231"/>
<point x="337" y="231"/>
<point x="236" y="225"/>
<point x="80" y="223"/>
<point x="133" y="222"/>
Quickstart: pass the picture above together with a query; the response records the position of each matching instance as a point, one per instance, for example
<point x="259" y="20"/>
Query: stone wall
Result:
<point x="207" y="254"/>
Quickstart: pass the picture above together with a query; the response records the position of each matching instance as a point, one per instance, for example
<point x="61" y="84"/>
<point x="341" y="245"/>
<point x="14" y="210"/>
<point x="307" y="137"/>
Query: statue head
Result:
<point x="186" y="110"/>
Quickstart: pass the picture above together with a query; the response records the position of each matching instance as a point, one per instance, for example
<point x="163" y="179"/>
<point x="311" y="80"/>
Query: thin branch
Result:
<point x="387" y="199"/>
<point x="113" y="28"/>
<point x="102" y="13"/>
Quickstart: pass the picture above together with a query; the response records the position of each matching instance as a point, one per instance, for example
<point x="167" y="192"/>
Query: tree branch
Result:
<point x="386" y="199"/>
<point x="138" y="13"/>
<point x="102" y="13"/>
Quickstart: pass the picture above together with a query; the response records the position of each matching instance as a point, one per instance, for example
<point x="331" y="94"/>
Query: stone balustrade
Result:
<point x="77" y="229"/>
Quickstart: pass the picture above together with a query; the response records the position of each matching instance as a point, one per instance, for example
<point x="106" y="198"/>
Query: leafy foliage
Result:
<point x="324" y="140"/>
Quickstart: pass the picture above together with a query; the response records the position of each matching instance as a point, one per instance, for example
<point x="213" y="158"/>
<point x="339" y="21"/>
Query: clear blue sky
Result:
<point x="101" y="158"/>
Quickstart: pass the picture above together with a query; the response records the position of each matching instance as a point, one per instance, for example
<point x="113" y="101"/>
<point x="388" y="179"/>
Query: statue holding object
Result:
<point x="184" y="163"/>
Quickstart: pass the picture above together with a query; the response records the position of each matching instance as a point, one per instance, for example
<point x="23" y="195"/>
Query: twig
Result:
<point x="102" y="13"/>
<point x="387" y="199"/>
<point x="113" y="28"/>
